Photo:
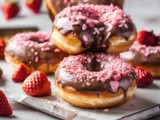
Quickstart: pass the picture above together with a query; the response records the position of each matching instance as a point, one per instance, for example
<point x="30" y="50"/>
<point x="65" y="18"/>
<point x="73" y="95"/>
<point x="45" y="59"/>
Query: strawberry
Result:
<point x="10" y="9"/>
<point x="2" y="47"/>
<point x="1" y="72"/>
<point x="144" y="78"/>
<point x="5" y="108"/>
<point x="146" y="38"/>
<point x="20" y="73"/>
<point x="33" y="5"/>
<point x="37" y="84"/>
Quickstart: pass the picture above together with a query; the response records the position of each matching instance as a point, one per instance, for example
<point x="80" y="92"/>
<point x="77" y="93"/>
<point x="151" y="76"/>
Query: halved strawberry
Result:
<point x="10" y="8"/>
<point x="5" y="108"/>
<point x="33" y="5"/>
<point x="20" y="73"/>
<point x="145" y="79"/>
<point x="37" y="84"/>
<point x="146" y="38"/>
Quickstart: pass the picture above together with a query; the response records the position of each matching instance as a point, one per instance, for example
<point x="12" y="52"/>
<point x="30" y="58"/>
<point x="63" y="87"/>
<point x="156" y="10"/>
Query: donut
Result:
<point x="95" y="80"/>
<point x="94" y="28"/>
<point x="54" y="6"/>
<point x="34" y="49"/>
<point x="145" y="56"/>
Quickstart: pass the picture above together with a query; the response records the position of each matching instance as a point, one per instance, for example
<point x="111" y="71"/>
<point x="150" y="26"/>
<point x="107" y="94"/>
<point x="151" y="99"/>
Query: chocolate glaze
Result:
<point x="34" y="48"/>
<point x="95" y="74"/>
<point x="93" y="25"/>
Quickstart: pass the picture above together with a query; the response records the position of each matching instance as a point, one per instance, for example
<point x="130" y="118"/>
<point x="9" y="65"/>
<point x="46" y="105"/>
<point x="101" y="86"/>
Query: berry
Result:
<point x="33" y="5"/>
<point x="10" y="9"/>
<point x="145" y="79"/>
<point x="20" y="73"/>
<point x="37" y="84"/>
<point x="146" y="38"/>
<point x="2" y="47"/>
<point x="5" y="108"/>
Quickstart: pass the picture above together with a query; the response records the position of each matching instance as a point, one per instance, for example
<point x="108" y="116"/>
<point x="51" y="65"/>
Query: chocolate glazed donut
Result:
<point x="55" y="6"/>
<point x="95" y="80"/>
<point x="34" y="49"/>
<point x="93" y="27"/>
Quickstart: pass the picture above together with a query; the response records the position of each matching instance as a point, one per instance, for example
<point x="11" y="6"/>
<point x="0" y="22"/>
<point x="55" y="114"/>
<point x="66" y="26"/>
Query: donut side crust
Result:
<point x="95" y="100"/>
<point x="47" y="68"/>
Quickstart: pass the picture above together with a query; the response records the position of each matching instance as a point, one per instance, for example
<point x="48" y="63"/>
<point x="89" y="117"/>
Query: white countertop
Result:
<point x="145" y="14"/>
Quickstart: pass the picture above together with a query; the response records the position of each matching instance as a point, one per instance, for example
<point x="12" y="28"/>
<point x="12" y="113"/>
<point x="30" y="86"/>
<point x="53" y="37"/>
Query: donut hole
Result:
<point x="94" y="65"/>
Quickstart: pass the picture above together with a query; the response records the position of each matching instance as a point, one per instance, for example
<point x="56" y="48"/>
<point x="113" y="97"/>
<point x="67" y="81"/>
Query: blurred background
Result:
<point x="145" y="14"/>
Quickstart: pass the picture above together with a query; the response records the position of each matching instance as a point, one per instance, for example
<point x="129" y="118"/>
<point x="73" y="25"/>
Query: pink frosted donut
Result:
<point x="145" y="56"/>
<point x="35" y="49"/>
<point x="93" y="27"/>
<point x="94" y="73"/>
<point x="142" y="54"/>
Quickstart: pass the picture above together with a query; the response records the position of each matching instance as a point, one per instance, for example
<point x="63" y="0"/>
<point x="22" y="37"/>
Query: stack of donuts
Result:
<point x="91" y="76"/>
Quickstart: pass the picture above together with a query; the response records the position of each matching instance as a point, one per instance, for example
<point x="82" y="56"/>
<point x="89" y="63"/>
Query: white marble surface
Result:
<point x="145" y="14"/>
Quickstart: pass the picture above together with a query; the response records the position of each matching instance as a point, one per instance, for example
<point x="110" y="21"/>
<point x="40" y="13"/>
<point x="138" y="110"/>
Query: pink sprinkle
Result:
<point x="30" y="45"/>
<point x="85" y="38"/>
<point x="103" y="79"/>
<point x="84" y="27"/>
<point x="65" y="2"/>
<point x="97" y="30"/>
<point x="37" y="59"/>
<point x="47" y="48"/>
<point x="101" y="29"/>
<point x="126" y="26"/>
<point x="88" y="84"/>
<point x="32" y="50"/>
<point x="30" y="62"/>
<point x="42" y="49"/>
<point x="36" y="53"/>
<point x="114" y="85"/>
<point x="72" y="1"/>
<point x="91" y="25"/>
<point x="104" y="45"/>
<point x="117" y="77"/>
<point x="76" y="23"/>
<point x="106" y="110"/>
<point x="57" y="50"/>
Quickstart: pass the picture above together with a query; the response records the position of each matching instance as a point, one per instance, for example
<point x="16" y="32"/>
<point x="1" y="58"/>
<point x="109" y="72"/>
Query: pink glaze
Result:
<point x="139" y="53"/>
<point x="145" y="50"/>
